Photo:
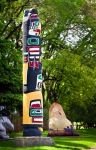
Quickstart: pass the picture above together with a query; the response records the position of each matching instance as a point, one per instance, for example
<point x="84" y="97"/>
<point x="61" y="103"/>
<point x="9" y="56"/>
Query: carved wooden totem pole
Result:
<point x="32" y="74"/>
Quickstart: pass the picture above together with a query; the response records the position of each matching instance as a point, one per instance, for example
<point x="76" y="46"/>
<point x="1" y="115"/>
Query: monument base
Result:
<point x="33" y="141"/>
<point x="31" y="130"/>
<point x="66" y="132"/>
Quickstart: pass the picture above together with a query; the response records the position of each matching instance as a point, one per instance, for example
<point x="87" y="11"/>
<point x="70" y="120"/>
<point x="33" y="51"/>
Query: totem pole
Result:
<point x="32" y="74"/>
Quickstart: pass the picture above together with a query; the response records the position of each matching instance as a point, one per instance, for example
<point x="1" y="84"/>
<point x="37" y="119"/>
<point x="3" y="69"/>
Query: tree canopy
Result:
<point x="68" y="54"/>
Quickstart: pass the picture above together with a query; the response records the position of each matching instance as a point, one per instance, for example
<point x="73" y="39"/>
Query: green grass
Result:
<point x="86" y="140"/>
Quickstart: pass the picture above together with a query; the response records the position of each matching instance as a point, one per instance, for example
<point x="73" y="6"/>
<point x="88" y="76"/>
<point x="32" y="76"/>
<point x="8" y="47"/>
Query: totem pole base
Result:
<point x="33" y="141"/>
<point x="31" y="130"/>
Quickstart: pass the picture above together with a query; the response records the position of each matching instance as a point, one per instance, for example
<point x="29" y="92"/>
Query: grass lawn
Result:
<point x="86" y="140"/>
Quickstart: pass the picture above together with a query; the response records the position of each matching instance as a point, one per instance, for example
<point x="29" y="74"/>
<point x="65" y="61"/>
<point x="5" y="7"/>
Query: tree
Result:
<point x="11" y="58"/>
<point x="68" y="52"/>
<point x="10" y="74"/>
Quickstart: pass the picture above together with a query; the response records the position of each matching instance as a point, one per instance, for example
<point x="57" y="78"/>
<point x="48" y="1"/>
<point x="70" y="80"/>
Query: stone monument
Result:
<point x="59" y="124"/>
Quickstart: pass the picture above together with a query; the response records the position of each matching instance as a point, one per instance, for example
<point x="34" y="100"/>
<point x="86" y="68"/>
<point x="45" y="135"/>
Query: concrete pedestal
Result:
<point x="33" y="141"/>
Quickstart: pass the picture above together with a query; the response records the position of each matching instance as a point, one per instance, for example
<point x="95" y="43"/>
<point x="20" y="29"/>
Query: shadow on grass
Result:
<point x="86" y="139"/>
<point x="87" y="132"/>
<point x="66" y="147"/>
<point x="60" y="143"/>
<point x="6" y="143"/>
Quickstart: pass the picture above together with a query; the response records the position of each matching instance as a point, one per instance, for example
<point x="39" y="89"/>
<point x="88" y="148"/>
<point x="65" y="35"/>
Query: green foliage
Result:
<point x="73" y="83"/>
<point x="69" y="70"/>
<point x="10" y="74"/>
